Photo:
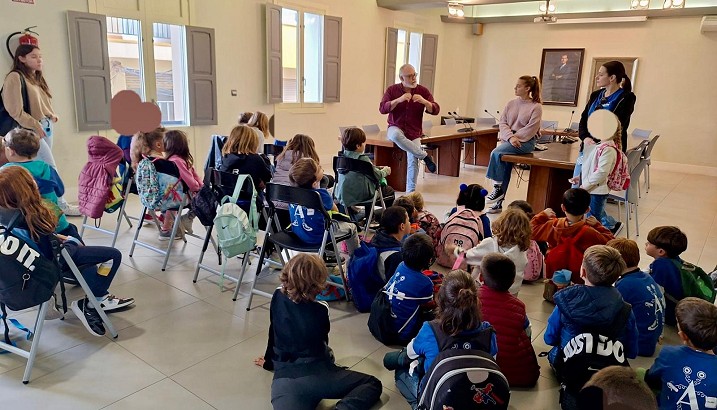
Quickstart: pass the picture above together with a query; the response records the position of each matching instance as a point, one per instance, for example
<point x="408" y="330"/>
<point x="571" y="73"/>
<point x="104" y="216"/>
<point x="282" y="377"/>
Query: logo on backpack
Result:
<point x="619" y="177"/>
<point x="695" y="282"/>
<point x="465" y="229"/>
<point x="236" y="230"/>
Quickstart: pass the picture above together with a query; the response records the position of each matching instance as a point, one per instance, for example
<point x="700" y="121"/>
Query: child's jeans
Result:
<point x="597" y="209"/>
<point x="94" y="255"/>
<point x="407" y="384"/>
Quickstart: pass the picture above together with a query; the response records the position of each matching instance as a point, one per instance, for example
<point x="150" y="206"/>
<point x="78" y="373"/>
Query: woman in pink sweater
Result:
<point x="519" y="125"/>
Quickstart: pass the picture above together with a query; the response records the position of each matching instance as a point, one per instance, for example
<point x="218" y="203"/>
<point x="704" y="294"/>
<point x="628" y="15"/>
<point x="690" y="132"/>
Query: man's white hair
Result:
<point x="404" y="67"/>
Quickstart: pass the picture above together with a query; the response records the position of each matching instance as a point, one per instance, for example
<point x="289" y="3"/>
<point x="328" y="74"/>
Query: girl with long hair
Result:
<point x="176" y="149"/>
<point x="26" y="74"/>
<point x="458" y="316"/>
<point x="19" y="193"/>
<point x="518" y="130"/>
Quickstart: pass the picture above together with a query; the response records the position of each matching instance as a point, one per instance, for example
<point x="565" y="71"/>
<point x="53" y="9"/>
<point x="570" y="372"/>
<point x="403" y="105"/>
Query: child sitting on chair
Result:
<point x="307" y="224"/>
<point x="18" y="192"/>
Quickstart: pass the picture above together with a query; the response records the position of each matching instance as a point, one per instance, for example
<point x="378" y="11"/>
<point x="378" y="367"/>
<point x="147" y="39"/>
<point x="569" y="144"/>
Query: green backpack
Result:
<point x="695" y="282"/>
<point x="236" y="230"/>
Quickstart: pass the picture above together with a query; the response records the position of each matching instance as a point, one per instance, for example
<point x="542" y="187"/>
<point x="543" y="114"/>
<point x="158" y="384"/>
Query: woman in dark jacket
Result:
<point x="615" y="94"/>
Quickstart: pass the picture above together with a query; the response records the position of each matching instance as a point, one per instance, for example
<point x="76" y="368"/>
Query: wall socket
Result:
<point x="234" y="93"/>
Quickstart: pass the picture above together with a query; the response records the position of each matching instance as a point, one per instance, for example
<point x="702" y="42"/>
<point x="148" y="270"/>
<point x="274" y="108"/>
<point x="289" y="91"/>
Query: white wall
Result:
<point x="676" y="97"/>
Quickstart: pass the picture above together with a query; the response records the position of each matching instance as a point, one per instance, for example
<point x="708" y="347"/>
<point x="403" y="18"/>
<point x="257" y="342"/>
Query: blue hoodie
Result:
<point x="648" y="305"/>
<point x="581" y="305"/>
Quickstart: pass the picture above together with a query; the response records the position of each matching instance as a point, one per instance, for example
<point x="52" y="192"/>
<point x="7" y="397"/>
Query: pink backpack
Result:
<point x="429" y="223"/>
<point x="619" y="178"/>
<point x="465" y="229"/>
<point x="536" y="263"/>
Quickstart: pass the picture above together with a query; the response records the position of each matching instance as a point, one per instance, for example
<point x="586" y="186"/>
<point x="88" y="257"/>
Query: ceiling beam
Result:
<point x="432" y="4"/>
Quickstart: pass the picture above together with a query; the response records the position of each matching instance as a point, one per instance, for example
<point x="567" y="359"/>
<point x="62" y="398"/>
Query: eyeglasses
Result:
<point x="414" y="75"/>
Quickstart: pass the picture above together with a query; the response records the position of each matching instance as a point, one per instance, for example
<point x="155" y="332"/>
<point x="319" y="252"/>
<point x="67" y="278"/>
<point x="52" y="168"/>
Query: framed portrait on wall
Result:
<point x="630" y="64"/>
<point x="560" y="72"/>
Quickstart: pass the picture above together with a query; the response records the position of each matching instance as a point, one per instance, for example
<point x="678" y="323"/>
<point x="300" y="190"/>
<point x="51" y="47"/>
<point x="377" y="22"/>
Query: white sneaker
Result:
<point x="166" y="235"/>
<point x="70" y="210"/>
<point x="112" y="302"/>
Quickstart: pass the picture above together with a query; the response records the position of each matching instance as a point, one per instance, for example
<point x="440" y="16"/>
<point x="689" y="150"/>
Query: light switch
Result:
<point x="234" y="93"/>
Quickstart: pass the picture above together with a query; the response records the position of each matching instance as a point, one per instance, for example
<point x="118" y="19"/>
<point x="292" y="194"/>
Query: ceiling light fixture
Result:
<point x="639" y="4"/>
<point x="673" y="4"/>
<point x="456" y="10"/>
<point x="546" y="7"/>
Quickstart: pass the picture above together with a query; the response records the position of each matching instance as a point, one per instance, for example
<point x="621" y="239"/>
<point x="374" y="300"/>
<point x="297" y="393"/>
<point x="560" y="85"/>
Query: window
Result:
<point x="302" y="56"/>
<point x="127" y="68"/>
<point x="408" y="50"/>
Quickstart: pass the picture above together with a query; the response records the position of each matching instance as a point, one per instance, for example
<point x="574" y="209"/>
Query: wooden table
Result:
<point x="448" y="140"/>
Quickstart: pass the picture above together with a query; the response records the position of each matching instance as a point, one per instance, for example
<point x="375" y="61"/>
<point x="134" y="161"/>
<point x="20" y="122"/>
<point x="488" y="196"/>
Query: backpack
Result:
<point x="695" y="282"/>
<point x="536" y="263"/>
<point x="236" y="231"/>
<point x="592" y="349"/>
<point x="205" y="204"/>
<point x="157" y="190"/>
<point x="713" y="275"/>
<point x="380" y="321"/>
<point x="463" y="375"/>
<point x="619" y="177"/>
<point x="8" y="123"/>
<point x="566" y="255"/>
<point x="429" y="223"/>
<point x="465" y="229"/>
<point x="332" y="293"/>
<point x="363" y="275"/>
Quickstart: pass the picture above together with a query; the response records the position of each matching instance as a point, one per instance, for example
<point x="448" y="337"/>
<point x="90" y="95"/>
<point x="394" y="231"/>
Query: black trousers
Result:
<point x="357" y="391"/>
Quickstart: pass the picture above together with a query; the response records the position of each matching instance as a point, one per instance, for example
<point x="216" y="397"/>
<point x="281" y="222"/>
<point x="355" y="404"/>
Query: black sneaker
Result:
<point x="496" y="195"/>
<point x="617" y="228"/>
<point x="88" y="316"/>
<point x="430" y="164"/>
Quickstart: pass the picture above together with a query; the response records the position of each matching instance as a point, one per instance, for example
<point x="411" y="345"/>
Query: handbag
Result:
<point x="8" y="123"/>
<point x="205" y="204"/>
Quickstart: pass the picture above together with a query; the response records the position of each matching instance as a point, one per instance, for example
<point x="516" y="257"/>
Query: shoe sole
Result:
<point x="494" y="211"/>
<point x="618" y="230"/>
<point x="491" y="201"/>
<point x="117" y="307"/>
<point x="80" y="315"/>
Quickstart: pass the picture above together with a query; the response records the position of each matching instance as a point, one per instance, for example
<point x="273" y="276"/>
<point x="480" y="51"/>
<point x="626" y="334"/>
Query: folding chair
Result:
<point x="59" y="252"/>
<point x="647" y="156"/>
<point x="549" y="125"/>
<point x="342" y="129"/>
<point x="285" y="239"/>
<point x="371" y="129"/>
<point x="185" y="201"/>
<point x="449" y="121"/>
<point x="126" y="178"/>
<point x="630" y="197"/>
<point x="343" y="165"/>
<point x="480" y="122"/>
<point x="574" y="126"/>
<point x="221" y="182"/>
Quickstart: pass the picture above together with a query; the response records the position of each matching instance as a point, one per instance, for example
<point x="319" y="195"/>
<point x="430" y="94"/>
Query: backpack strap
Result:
<point x="57" y="246"/>
<point x="253" y="216"/>
<point x="618" y="324"/>
<point x="483" y="338"/>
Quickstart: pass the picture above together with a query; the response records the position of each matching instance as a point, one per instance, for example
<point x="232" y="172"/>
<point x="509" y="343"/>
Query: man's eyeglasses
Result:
<point x="414" y="75"/>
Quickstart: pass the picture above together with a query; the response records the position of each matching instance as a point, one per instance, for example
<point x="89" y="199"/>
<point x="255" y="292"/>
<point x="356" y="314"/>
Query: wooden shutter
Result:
<point x="201" y="76"/>
<point x="427" y="72"/>
<point x="274" y="76"/>
<point x="90" y="70"/>
<point x="391" y="47"/>
<point x="332" y="59"/>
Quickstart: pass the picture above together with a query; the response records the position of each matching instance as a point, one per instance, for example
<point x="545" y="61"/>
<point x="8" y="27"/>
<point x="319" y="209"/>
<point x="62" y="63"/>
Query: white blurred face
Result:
<point x="33" y="61"/>
<point x="409" y="77"/>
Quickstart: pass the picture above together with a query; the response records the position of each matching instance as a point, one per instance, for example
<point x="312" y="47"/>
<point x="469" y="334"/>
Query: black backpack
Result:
<point x="380" y="321"/>
<point x="463" y="375"/>
<point x="594" y="348"/>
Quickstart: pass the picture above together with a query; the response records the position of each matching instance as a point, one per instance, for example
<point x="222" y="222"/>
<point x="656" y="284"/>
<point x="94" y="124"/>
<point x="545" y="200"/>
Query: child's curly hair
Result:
<point x="303" y="277"/>
<point x="512" y="228"/>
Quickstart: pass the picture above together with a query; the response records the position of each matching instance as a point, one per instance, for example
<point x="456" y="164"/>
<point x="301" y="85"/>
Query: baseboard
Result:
<point x="685" y="168"/>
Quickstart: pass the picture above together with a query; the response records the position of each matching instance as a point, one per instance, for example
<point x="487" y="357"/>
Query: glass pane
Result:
<point x="414" y="52"/>
<point x="170" y="56"/>
<point x="400" y="53"/>
<point x="289" y="54"/>
<point x="313" y="58"/>
<point x="125" y="52"/>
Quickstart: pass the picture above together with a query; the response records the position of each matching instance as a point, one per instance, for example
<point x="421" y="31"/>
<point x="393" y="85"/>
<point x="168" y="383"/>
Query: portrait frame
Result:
<point x="561" y="82"/>
<point x="630" y="64"/>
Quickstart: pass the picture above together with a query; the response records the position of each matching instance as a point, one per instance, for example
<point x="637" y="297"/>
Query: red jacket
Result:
<point x="516" y="356"/>
<point x="103" y="156"/>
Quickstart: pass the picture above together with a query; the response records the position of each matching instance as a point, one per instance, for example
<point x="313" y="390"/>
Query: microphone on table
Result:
<point x="461" y="120"/>
<point x="570" y="123"/>
<point x="494" y="117"/>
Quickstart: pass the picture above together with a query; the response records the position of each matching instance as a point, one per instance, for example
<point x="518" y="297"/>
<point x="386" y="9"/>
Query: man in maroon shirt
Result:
<point x="404" y="103"/>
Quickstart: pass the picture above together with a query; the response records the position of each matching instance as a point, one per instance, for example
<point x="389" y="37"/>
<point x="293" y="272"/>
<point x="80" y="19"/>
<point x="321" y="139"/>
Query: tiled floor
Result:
<point x="189" y="346"/>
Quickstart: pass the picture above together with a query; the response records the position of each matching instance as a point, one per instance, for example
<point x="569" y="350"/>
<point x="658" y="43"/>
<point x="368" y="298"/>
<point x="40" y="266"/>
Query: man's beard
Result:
<point x="409" y="85"/>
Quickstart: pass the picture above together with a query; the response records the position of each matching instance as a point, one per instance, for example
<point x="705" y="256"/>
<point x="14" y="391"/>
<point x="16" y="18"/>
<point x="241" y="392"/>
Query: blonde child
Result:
<point x="176" y="149"/>
<point x="598" y="165"/>
<point x="298" y="347"/>
<point x="426" y="220"/>
<point x="511" y="237"/>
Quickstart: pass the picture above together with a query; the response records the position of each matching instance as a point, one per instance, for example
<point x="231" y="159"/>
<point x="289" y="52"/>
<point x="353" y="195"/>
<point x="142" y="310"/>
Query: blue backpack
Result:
<point x="363" y="275"/>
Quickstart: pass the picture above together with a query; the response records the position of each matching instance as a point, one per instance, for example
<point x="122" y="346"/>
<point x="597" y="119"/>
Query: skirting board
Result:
<point x="685" y="168"/>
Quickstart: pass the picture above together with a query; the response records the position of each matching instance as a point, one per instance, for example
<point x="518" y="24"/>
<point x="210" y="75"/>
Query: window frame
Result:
<point x="407" y="53"/>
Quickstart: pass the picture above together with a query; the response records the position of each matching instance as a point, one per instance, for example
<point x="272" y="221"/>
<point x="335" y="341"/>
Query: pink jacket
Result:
<point x="103" y="156"/>
<point x="187" y="174"/>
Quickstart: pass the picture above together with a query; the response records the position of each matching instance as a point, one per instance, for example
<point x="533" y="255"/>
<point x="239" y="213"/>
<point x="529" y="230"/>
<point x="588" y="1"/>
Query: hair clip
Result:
<point x="483" y="192"/>
<point x="463" y="187"/>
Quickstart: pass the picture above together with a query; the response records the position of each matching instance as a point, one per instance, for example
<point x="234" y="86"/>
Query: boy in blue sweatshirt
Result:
<point x="409" y="289"/>
<point x="687" y="375"/>
<point x="640" y="290"/>
<point x="665" y="244"/>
